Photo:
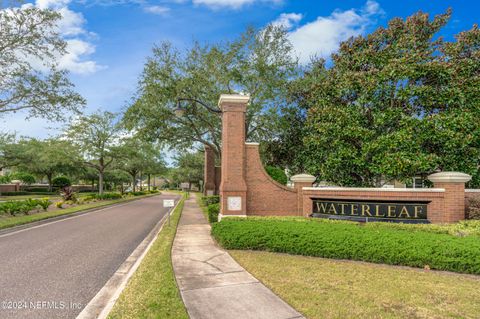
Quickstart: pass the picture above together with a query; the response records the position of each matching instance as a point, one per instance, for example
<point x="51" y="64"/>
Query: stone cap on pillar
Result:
<point x="449" y="177"/>
<point x="303" y="178"/>
<point x="235" y="99"/>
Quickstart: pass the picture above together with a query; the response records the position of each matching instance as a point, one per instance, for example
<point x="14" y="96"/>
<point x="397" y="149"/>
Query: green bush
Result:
<point x="25" y="178"/>
<point x="106" y="196"/>
<point x="213" y="211"/>
<point x="277" y="174"/>
<point x="61" y="182"/>
<point x="23" y="193"/>
<point x="23" y="206"/>
<point x="346" y="240"/>
<point x="37" y="190"/>
<point x="209" y="200"/>
<point x="138" y="193"/>
<point x="19" y="193"/>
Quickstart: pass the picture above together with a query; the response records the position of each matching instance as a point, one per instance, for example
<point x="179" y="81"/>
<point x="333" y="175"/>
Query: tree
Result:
<point x="10" y="152"/>
<point x="188" y="168"/>
<point x="30" y="78"/>
<point x="397" y="103"/>
<point x="95" y="136"/>
<point x="47" y="158"/>
<point x="258" y="63"/>
<point x="138" y="156"/>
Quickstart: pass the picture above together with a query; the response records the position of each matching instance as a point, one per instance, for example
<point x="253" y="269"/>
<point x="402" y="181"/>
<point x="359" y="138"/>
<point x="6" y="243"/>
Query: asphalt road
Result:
<point x="55" y="269"/>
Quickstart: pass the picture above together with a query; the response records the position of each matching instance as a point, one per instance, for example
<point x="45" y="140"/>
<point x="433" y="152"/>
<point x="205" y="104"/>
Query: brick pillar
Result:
<point x="233" y="189"/>
<point x="454" y="200"/>
<point x="299" y="182"/>
<point x="209" y="172"/>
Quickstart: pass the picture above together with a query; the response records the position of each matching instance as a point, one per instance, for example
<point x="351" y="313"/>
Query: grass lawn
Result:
<point x="152" y="291"/>
<point x="326" y="288"/>
<point x="10" y="221"/>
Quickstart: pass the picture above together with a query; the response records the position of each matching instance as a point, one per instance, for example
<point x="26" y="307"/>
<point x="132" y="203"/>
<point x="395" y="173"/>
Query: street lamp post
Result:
<point x="180" y="111"/>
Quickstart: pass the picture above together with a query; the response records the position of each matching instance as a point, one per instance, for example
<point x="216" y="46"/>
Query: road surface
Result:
<point x="55" y="269"/>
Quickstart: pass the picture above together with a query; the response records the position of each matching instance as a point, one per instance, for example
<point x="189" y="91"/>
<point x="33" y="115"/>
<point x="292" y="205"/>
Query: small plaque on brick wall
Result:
<point x="209" y="192"/>
<point x="234" y="203"/>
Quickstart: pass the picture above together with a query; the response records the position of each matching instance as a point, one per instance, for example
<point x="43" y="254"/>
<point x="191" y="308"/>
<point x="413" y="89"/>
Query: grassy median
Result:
<point x="325" y="288"/>
<point x="152" y="292"/>
<point x="11" y="221"/>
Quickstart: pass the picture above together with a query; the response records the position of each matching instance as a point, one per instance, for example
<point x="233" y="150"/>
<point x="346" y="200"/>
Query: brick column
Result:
<point x="299" y="182"/>
<point x="454" y="200"/>
<point x="233" y="189"/>
<point x="209" y="172"/>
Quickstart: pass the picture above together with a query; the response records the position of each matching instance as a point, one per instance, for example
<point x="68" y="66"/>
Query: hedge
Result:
<point x="213" y="211"/>
<point x="211" y="199"/>
<point x="23" y="193"/>
<point x="346" y="240"/>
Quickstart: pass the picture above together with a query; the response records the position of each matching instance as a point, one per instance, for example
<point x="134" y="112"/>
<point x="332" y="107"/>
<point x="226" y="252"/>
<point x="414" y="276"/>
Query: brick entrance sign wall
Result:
<point x="246" y="189"/>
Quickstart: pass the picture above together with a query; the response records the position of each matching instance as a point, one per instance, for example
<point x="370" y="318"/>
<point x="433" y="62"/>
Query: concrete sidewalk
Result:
<point x="213" y="285"/>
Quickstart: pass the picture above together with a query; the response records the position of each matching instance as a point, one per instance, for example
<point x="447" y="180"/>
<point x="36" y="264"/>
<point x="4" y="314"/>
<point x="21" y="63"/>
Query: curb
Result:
<point x="13" y="229"/>
<point x="101" y="305"/>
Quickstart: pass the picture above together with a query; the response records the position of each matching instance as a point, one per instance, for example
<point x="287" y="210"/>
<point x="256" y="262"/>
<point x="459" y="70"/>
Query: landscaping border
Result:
<point x="48" y="219"/>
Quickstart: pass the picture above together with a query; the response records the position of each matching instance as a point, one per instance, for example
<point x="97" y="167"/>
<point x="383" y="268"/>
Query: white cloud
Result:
<point x="321" y="37"/>
<point x="287" y="20"/>
<point x="76" y="50"/>
<point x="72" y="28"/>
<point x="160" y="10"/>
<point x="234" y="4"/>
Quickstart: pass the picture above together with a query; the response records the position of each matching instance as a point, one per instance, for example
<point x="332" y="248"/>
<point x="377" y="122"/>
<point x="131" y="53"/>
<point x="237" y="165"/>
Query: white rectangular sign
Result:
<point x="168" y="203"/>
<point x="234" y="203"/>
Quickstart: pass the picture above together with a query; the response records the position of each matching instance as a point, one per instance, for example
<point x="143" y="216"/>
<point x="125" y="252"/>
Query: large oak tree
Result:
<point x="396" y="103"/>
<point x="258" y="63"/>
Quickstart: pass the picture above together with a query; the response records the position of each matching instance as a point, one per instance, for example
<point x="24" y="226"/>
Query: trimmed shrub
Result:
<point x="346" y="240"/>
<point x="138" y="193"/>
<point x="23" y="193"/>
<point x="107" y="196"/>
<point x="213" y="211"/>
<point x="25" y="178"/>
<point x="209" y="200"/>
<point x="277" y="174"/>
<point x="20" y="193"/>
<point x="61" y="182"/>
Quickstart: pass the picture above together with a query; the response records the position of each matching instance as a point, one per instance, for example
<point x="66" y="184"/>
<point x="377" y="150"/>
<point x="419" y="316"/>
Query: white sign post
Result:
<point x="167" y="203"/>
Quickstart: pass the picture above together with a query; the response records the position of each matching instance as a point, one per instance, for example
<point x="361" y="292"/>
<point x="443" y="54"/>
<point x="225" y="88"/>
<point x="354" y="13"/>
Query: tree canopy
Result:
<point x="394" y="104"/>
<point x="29" y="75"/>
<point x="96" y="137"/>
<point x="258" y="63"/>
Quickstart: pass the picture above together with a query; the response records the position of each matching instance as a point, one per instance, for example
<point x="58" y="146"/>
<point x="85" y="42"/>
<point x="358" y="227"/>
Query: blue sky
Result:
<point x="109" y="40"/>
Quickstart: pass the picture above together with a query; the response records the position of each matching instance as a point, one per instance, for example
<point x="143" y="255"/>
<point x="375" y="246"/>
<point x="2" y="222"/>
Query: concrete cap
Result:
<point x="16" y="181"/>
<point x="233" y="99"/>
<point x="449" y="177"/>
<point x="303" y="178"/>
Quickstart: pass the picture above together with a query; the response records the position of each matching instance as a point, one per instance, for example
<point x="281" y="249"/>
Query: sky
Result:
<point x="109" y="40"/>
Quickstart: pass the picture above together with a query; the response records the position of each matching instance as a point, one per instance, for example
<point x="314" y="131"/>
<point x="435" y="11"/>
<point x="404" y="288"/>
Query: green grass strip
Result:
<point x="6" y="222"/>
<point x="345" y="240"/>
<point x="152" y="291"/>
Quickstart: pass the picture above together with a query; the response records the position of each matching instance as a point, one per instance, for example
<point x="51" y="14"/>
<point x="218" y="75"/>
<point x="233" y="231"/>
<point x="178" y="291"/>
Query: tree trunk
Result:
<point x="100" y="181"/>
<point x="148" y="182"/>
<point x="49" y="178"/>
<point x="134" y="181"/>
